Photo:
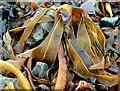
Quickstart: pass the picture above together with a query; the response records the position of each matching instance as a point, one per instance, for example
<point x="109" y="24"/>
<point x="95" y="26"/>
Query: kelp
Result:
<point x="108" y="8"/>
<point x="29" y="76"/>
<point x="81" y="54"/>
<point x="7" y="39"/>
<point x="28" y="30"/>
<point x="103" y="7"/>
<point x="62" y="72"/>
<point x="22" y="79"/>
<point x="8" y="85"/>
<point x="105" y="63"/>
<point x="81" y="69"/>
<point x="83" y="85"/>
<point x="75" y="12"/>
<point x="51" y="42"/>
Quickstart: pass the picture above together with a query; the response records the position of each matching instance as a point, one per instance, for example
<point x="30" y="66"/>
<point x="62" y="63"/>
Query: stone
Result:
<point x="7" y="12"/>
<point x="39" y="33"/>
<point x="57" y="4"/>
<point x="94" y="81"/>
<point x="38" y="11"/>
<point x="25" y="73"/>
<point x="36" y="35"/>
<point x="51" y="13"/>
<point x="2" y="25"/>
<point x="4" y="53"/>
<point x="75" y="4"/>
<point x="42" y="86"/>
<point x="0" y="49"/>
<point x="40" y="30"/>
<point x="109" y="21"/>
<point x="47" y="26"/>
<point x="89" y="6"/>
<point x="3" y="79"/>
<point x="39" y="69"/>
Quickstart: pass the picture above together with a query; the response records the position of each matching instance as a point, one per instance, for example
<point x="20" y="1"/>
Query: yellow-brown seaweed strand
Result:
<point x="22" y="79"/>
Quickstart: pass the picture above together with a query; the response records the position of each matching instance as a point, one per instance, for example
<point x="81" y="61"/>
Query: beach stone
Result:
<point x="39" y="33"/>
<point x="49" y="12"/>
<point x="0" y="49"/>
<point x="3" y="79"/>
<point x="4" y="53"/>
<point x="40" y="30"/>
<point x="36" y="35"/>
<point x="39" y="69"/>
<point x="109" y="21"/>
<point x="42" y="86"/>
<point x="89" y="6"/>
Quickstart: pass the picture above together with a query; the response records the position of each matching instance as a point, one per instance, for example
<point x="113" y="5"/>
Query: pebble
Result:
<point x="89" y="6"/>
<point x="40" y="30"/>
<point x="109" y="21"/>
<point x="3" y="79"/>
<point x="0" y="49"/>
<point x="39" y="69"/>
<point x="42" y="86"/>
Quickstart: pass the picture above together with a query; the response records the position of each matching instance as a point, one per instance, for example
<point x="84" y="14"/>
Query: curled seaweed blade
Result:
<point x="23" y="80"/>
<point x="108" y="8"/>
<point x="62" y="72"/>
<point x="80" y="68"/>
<point x="48" y="49"/>
<point x="7" y="39"/>
<point x="97" y="32"/>
<point x="75" y="12"/>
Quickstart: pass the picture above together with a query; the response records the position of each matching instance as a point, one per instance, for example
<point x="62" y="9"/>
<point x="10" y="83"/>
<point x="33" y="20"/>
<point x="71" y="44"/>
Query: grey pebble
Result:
<point x="3" y="79"/>
<point x="42" y="86"/>
<point x="109" y="21"/>
<point x="40" y="30"/>
<point x="39" y="69"/>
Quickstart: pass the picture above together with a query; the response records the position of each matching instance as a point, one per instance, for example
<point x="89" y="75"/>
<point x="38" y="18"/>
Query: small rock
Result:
<point x="40" y="30"/>
<point x="47" y="26"/>
<point x="2" y="25"/>
<point x="7" y="6"/>
<point x="7" y="12"/>
<point x="39" y="69"/>
<point x="51" y="13"/>
<point x="5" y="56"/>
<point x="39" y="3"/>
<point x="39" y="33"/>
<point x="4" y="53"/>
<point x="57" y="4"/>
<point x="0" y="49"/>
<point x="42" y="86"/>
<point x="65" y="15"/>
<point x="3" y="79"/>
<point x="109" y="21"/>
<point x="89" y="6"/>
<point x="36" y="35"/>
<point x="39" y="10"/>
<point x="25" y="73"/>
<point x="92" y="80"/>
<point x="75" y="4"/>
